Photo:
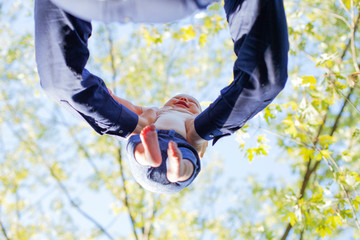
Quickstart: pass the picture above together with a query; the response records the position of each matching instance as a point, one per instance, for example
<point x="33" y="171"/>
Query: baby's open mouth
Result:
<point x="182" y="103"/>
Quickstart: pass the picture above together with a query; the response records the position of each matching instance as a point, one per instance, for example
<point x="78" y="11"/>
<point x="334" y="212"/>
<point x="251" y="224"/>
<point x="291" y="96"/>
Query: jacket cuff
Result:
<point x="126" y="124"/>
<point x="205" y="127"/>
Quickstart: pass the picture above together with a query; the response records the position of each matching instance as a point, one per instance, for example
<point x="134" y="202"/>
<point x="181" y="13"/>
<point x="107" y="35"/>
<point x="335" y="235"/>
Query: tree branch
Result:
<point x="337" y="120"/>
<point x="31" y="143"/>
<point x="126" y="197"/>
<point x="77" y="207"/>
<point x="152" y="219"/>
<point x="111" y="53"/>
<point x="125" y="200"/>
<point x="78" y="143"/>
<point x="3" y="230"/>
<point x="148" y="227"/>
<point x="309" y="171"/>
<point x="312" y="170"/>
<point x="347" y="196"/>
<point x="85" y="152"/>
<point x="349" y="42"/>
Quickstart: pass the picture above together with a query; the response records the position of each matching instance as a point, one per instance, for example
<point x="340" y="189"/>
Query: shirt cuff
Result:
<point x="205" y="127"/>
<point x="126" y="124"/>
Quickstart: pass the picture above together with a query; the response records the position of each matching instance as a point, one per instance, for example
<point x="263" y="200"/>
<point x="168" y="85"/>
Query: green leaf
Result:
<point x="326" y="140"/>
<point x="311" y="80"/>
<point x="202" y="40"/>
<point x="293" y="218"/>
<point x="188" y="33"/>
<point x="356" y="202"/>
<point x="290" y="126"/>
<point x="250" y="154"/>
<point x="356" y="133"/>
<point x="307" y="153"/>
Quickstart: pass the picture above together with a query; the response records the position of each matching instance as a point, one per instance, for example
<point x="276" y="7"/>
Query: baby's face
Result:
<point x="184" y="101"/>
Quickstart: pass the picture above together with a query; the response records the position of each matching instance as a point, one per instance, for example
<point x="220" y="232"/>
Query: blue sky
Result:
<point x="233" y="160"/>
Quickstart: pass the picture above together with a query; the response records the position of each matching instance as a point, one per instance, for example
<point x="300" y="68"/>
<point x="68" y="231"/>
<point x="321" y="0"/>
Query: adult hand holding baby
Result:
<point x="147" y="117"/>
<point x="193" y="138"/>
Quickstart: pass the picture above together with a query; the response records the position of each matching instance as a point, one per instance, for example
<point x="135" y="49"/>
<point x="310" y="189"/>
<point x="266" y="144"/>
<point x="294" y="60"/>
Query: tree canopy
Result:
<point x="60" y="180"/>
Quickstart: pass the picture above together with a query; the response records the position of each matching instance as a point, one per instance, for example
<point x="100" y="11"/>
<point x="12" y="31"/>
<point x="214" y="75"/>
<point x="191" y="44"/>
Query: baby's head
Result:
<point x="188" y="103"/>
<point x="184" y="101"/>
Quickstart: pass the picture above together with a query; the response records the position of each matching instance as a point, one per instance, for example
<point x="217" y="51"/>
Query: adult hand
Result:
<point x="193" y="137"/>
<point x="147" y="117"/>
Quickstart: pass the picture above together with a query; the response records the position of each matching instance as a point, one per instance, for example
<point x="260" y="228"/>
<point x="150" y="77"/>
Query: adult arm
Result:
<point x="136" y="109"/>
<point x="147" y="115"/>
<point x="61" y="55"/>
<point x="153" y="11"/>
<point x="259" y="31"/>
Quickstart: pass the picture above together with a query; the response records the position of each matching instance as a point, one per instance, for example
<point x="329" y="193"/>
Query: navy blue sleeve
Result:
<point x="61" y="55"/>
<point x="259" y="31"/>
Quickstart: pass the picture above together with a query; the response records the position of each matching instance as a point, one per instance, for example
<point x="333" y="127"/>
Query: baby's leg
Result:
<point x="147" y="152"/>
<point x="178" y="169"/>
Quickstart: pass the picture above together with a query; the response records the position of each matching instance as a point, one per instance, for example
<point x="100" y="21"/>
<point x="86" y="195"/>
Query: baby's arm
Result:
<point x="193" y="137"/>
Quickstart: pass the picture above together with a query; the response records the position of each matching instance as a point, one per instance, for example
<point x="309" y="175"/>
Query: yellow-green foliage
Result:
<point x="56" y="173"/>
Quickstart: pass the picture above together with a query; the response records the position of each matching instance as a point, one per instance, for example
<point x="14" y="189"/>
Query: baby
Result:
<point x="161" y="158"/>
